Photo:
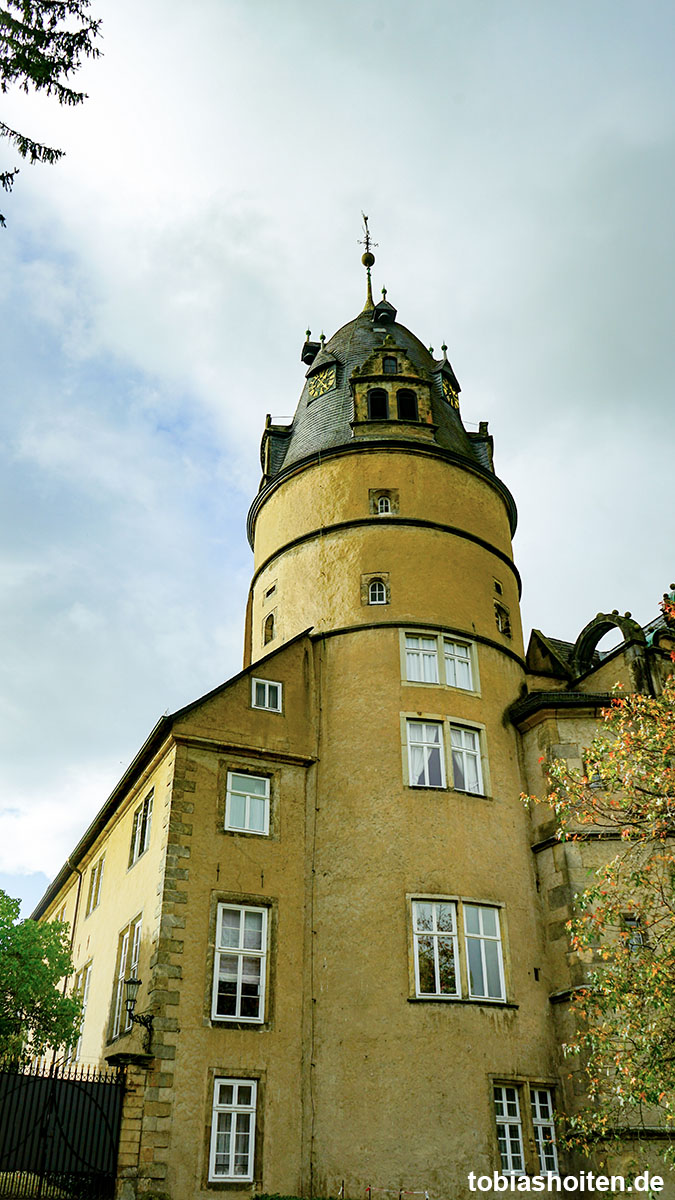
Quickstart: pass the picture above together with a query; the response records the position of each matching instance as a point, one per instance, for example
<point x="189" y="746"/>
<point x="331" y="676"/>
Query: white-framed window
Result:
<point x="440" y="925"/>
<point x="541" y="1102"/>
<point x="484" y="961"/>
<point x="458" y="671"/>
<point x="232" y="1153"/>
<point x="502" y="619"/>
<point x="425" y="754"/>
<point x="239" y="967"/>
<point x="128" y="954"/>
<point x="266" y="694"/>
<point x="81" y="990"/>
<point x="384" y="505"/>
<point x="509" y="1130"/>
<point x="377" y="592"/>
<point x="421" y="658"/>
<point x="467" y="775"/>
<point x="247" y="803"/>
<point x="436" y="948"/>
<point x="140" y="832"/>
<point x="95" y="881"/>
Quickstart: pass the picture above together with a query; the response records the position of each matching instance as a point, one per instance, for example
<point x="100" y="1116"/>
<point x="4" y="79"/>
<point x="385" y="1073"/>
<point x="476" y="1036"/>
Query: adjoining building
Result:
<point x="348" y="929"/>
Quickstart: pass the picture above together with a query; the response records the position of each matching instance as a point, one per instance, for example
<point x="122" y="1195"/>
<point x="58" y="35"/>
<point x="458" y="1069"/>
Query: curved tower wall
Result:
<point x="442" y="554"/>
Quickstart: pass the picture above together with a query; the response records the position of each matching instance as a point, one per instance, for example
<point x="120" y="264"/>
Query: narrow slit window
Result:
<point x="268" y="629"/>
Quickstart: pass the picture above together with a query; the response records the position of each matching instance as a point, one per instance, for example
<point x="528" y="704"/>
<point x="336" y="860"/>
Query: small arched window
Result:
<point x="502" y="619"/>
<point x="378" y="405"/>
<point x="384" y="504"/>
<point x="268" y="629"/>
<point x="389" y="365"/>
<point x="407" y="405"/>
<point x="377" y="593"/>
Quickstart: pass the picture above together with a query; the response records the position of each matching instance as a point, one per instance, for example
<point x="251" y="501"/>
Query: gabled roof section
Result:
<point x="223" y="715"/>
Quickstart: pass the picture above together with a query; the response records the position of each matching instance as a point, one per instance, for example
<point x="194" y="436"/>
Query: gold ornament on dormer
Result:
<point x="323" y="381"/>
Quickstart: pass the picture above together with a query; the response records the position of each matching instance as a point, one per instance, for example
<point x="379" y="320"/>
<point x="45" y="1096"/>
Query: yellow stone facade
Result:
<point x="389" y="718"/>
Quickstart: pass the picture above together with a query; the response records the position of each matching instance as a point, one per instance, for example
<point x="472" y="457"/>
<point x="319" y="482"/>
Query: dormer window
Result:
<point x="389" y="365"/>
<point x="384" y="505"/>
<point x="377" y="593"/>
<point x="406" y="401"/>
<point x="378" y="405"/>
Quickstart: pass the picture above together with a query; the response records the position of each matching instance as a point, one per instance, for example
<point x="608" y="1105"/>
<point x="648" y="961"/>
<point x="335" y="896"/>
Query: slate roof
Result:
<point x="325" y="422"/>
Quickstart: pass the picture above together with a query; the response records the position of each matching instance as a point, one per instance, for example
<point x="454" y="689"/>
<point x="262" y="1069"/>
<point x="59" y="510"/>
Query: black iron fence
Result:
<point x="59" y="1129"/>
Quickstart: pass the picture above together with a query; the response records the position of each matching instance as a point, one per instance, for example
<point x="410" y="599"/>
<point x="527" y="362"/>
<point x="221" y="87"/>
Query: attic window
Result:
<point x="378" y="405"/>
<point x="407" y="405"/>
<point x="389" y="365"/>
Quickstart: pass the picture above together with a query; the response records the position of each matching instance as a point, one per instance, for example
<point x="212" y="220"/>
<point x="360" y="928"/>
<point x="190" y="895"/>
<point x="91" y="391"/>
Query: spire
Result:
<point x="367" y="259"/>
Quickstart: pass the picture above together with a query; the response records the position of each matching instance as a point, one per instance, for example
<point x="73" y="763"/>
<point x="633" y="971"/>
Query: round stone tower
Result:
<point x="381" y="528"/>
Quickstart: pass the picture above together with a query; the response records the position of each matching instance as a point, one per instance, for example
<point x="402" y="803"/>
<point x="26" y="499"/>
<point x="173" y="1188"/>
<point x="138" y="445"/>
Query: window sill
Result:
<point x="235" y="1023"/>
<point x="475" y="1003"/>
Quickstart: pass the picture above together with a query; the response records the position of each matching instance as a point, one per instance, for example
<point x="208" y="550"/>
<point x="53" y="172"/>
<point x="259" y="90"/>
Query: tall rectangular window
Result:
<point x="81" y="990"/>
<point x="509" y="1130"/>
<point x="467" y="775"/>
<point x="544" y="1129"/>
<point x="265" y="694"/>
<point x="421" y="658"/>
<point x="247" y="803"/>
<point x="436" y="954"/>
<point x="128" y="954"/>
<point x="484" y="952"/>
<point x="95" y="881"/>
<point x="140" y="832"/>
<point x="458" y="671"/>
<point x="233" y="1130"/>
<point x="425" y="754"/>
<point x="239" y="967"/>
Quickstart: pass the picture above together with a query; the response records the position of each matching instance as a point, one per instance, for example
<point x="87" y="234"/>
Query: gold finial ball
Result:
<point x="367" y="259"/>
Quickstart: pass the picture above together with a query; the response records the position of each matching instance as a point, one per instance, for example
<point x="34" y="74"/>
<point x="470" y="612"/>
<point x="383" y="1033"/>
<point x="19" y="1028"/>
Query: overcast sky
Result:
<point x="516" y="162"/>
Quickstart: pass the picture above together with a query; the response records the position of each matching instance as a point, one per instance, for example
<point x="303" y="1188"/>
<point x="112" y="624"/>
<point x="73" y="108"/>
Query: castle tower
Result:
<point x="322" y="871"/>
<point x="381" y="526"/>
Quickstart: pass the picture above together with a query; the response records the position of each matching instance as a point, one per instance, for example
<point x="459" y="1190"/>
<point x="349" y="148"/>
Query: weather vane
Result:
<point x="368" y="258"/>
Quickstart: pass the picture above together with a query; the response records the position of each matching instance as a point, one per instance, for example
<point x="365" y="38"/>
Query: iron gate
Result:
<point x="59" y="1128"/>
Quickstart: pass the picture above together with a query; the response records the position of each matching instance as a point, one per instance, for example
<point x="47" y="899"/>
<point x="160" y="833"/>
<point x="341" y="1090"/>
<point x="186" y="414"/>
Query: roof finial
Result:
<point x="367" y="259"/>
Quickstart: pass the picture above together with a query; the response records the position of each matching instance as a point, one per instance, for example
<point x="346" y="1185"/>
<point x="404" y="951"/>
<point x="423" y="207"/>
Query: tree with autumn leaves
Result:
<point x="624" y="923"/>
